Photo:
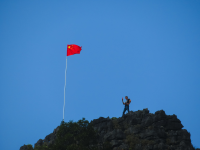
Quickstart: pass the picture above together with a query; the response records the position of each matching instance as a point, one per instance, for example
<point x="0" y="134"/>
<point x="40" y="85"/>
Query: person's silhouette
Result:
<point x="128" y="101"/>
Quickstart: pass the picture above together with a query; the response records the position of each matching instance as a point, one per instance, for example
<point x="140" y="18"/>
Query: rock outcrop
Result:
<point x="139" y="130"/>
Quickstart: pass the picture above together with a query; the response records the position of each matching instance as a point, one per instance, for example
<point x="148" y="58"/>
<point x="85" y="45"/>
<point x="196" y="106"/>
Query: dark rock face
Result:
<point x="49" y="139"/>
<point x="24" y="147"/>
<point x="143" y="130"/>
<point x="137" y="130"/>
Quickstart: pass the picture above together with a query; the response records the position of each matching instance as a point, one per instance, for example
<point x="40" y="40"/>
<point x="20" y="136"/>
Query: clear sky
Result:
<point x="148" y="50"/>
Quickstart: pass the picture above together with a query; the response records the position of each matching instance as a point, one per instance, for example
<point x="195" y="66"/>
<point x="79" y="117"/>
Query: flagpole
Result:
<point x="64" y="89"/>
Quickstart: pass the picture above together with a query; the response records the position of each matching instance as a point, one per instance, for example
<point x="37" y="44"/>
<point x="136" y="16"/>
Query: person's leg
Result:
<point x="124" y="111"/>
<point x="128" y="109"/>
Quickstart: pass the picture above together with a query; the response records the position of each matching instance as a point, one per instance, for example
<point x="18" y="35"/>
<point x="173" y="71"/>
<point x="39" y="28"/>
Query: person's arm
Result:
<point x="122" y="101"/>
<point x="129" y="102"/>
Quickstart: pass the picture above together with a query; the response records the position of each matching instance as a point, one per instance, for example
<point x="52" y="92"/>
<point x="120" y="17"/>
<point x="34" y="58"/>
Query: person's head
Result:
<point x="126" y="97"/>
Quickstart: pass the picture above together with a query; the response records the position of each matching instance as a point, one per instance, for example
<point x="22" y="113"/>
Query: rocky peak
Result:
<point x="137" y="130"/>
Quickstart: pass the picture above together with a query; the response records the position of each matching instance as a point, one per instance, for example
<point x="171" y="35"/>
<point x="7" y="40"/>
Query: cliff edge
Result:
<point x="139" y="130"/>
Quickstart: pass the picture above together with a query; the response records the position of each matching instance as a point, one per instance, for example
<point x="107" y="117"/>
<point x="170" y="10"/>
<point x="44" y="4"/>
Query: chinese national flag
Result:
<point x="73" y="49"/>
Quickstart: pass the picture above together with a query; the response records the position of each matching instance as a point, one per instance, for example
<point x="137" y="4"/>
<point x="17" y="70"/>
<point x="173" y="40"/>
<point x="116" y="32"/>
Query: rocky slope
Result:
<point x="139" y="130"/>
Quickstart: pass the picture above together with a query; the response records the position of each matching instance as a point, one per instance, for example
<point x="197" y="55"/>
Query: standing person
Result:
<point x="128" y="101"/>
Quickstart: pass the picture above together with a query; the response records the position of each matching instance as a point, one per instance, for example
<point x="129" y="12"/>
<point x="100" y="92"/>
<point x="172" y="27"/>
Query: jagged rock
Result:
<point x="153" y="133"/>
<point x="24" y="147"/>
<point x="159" y="115"/>
<point x="102" y="124"/>
<point x="173" y="123"/>
<point x="133" y="129"/>
<point x="116" y="134"/>
<point x="40" y="142"/>
<point x="56" y="130"/>
<point x="161" y="146"/>
<point x="137" y="130"/>
<point x="115" y="143"/>
<point x="121" y="147"/>
<point x="49" y="139"/>
<point x="100" y="120"/>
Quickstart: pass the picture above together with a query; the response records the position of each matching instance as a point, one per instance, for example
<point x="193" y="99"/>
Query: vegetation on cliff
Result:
<point x="73" y="136"/>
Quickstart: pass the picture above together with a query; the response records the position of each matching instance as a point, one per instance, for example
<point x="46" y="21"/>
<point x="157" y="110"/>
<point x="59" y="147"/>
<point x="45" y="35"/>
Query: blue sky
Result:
<point x="148" y="50"/>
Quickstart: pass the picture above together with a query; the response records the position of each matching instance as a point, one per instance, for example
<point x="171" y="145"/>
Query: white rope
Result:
<point x="64" y="89"/>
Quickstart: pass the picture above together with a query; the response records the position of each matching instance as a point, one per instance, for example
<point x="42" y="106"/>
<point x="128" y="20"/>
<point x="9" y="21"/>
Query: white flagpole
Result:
<point x="64" y="89"/>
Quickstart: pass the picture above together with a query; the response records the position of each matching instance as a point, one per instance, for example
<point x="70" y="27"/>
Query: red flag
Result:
<point x="73" y="49"/>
